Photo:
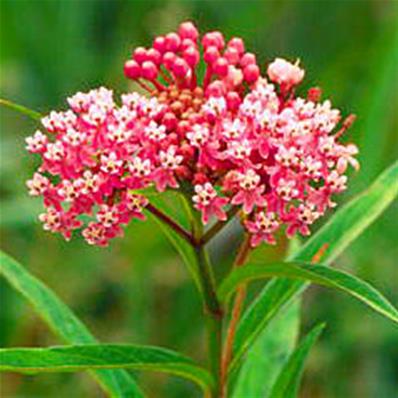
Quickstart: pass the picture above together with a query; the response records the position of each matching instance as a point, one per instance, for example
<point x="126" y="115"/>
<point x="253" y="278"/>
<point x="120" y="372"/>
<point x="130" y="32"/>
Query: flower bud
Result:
<point x="232" y="55"/>
<point x="168" y="60"/>
<point x="159" y="44"/>
<point x="191" y="56"/>
<point x="248" y="59"/>
<point x="237" y="43"/>
<point x="187" y="30"/>
<point x="251" y="73"/>
<point x="149" y="70"/>
<point x="211" y="55"/>
<point x="314" y="94"/>
<point x="172" y="42"/>
<point x="221" y="67"/>
<point x="180" y="67"/>
<point x="140" y="55"/>
<point x="187" y="43"/>
<point x="154" y="56"/>
<point x="132" y="69"/>
<point x="213" y="39"/>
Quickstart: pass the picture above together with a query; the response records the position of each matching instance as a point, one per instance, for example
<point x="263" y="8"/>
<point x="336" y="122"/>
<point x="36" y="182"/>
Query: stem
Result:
<point x="169" y="221"/>
<point x="240" y="260"/>
<point x="218" y="226"/>
<point x="213" y="312"/>
<point x="212" y="304"/>
<point x="144" y="86"/>
<point x="212" y="307"/>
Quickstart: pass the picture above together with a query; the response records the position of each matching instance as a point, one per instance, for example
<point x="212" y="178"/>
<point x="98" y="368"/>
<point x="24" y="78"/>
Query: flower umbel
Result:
<point x="236" y="137"/>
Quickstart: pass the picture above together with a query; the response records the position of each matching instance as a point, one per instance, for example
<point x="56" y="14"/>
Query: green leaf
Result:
<point x="343" y="228"/>
<point x="64" y="323"/>
<point x="268" y="355"/>
<point x="288" y="381"/>
<point x="21" y="109"/>
<point x="102" y="356"/>
<point x="315" y="273"/>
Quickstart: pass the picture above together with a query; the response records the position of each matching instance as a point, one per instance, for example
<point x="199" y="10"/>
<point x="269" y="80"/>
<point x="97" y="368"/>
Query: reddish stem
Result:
<point x="158" y="85"/>
<point x="169" y="221"/>
<point x="165" y="76"/>
<point x="240" y="260"/>
<point x="144" y="86"/>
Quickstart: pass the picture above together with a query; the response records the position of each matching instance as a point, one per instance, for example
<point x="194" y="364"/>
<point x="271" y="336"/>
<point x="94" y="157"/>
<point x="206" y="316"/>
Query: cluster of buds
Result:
<point x="238" y="140"/>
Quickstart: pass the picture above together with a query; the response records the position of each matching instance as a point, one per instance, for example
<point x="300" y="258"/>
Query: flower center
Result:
<point x="184" y="103"/>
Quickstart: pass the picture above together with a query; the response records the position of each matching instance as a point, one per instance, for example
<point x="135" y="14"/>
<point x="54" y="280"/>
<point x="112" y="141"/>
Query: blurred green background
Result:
<point x="137" y="290"/>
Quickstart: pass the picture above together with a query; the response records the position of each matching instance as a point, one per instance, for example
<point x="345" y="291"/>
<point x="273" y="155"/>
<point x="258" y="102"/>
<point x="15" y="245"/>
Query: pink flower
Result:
<point x="209" y="203"/>
<point x="164" y="175"/>
<point x="300" y="218"/>
<point x="336" y="182"/>
<point x="36" y="143"/>
<point x="108" y="215"/>
<point x="131" y="206"/>
<point x="95" y="234"/>
<point x="38" y="184"/>
<point x="249" y="192"/>
<point x="287" y="189"/>
<point x="262" y="228"/>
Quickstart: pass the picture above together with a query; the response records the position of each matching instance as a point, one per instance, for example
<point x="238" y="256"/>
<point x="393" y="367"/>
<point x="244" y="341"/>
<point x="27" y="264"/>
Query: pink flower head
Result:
<point x="233" y="139"/>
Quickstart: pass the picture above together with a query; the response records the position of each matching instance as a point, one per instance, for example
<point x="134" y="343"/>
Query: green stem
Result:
<point x="212" y="307"/>
<point x="213" y="312"/>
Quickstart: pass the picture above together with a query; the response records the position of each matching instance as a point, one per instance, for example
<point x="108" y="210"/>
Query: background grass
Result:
<point x="138" y="290"/>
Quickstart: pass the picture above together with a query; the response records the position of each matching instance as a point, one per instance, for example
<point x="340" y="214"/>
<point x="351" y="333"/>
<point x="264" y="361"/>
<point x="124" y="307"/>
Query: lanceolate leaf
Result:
<point x="344" y="227"/>
<point x="288" y="381"/>
<point x="21" y="109"/>
<point x="63" y="322"/>
<point x="315" y="273"/>
<point x="102" y="356"/>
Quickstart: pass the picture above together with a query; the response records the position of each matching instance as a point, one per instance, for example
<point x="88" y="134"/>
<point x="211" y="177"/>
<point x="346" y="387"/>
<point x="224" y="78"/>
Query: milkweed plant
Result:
<point x="234" y="141"/>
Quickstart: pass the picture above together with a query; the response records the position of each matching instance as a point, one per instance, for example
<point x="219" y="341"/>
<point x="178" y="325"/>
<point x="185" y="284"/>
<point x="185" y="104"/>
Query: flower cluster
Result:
<point x="240" y="140"/>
